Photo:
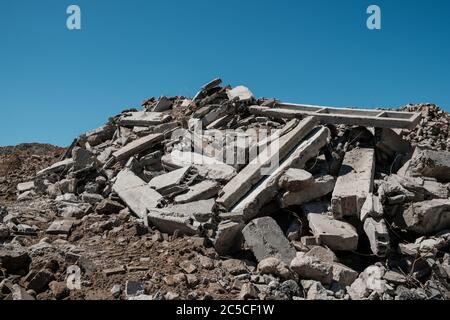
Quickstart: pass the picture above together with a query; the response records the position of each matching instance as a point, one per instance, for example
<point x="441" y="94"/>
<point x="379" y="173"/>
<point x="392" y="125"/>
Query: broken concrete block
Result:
<point x="56" y="167"/>
<point x="266" y="239"/>
<point x="229" y="237"/>
<point x="25" y="186"/>
<point x="163" y="104"/>
<point x="428" y="217"/>
<point x="201" y="191"/>
<point x="138" y="196"/>
<point x="108" y="206"/>
<point x="268" y="189"/>
<point x="142" y="119"/>
<point x="337" y="235"/>
<point x="137" y="146"/>
<point x="319" y="188"/>
<point x="354" y="183"/>
<point x="241" y="93"/>
<point x="378" y="234"/>
<point x="60" y="227"/>
<point x="82" y="158"/>
<point x="248" y="177"/>
<point x="311" y="268"/>
<point x="343" y="274"/>
<point x="165" y="183"/>
<point x="296" y="180"/>
<point x="368" y="281"/>
<point x="372" y="207"/>
<point x="430" y="163"/>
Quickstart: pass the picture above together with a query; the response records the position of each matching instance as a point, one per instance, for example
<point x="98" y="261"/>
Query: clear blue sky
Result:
<point x="56" y="83"/>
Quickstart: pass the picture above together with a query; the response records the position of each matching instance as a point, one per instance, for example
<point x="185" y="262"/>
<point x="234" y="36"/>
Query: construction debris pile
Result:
<point x="288" y="201"/>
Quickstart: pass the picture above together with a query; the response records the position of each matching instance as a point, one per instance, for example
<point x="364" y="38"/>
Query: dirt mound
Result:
<point x="20" y="164"/>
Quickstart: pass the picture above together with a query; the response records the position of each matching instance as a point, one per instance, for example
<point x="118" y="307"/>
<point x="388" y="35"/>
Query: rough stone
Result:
<point x="60" y="227"/>
<point x="14" y="258"/>
<point x="337" y="235"/>
<point x="266" y="239"/>
<point x="428" y="217"/>
<point x="108" y="206"/>
<point x="311" y="268"/>
<point x="229" y="237"/>
<point x="295" y="180"/>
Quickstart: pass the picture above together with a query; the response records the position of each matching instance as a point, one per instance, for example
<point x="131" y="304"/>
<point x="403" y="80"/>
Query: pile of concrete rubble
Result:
<point x="330" y="209"/>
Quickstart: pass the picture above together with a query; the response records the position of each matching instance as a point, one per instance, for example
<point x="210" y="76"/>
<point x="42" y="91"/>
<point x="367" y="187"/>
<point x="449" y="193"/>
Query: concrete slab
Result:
<point x="138" y="196"/>
<point x="428" y="217"/>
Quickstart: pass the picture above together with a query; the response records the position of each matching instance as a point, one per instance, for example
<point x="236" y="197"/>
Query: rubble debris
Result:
<point x="226" y="196"/>
<point x="265" y="238"/>
<point x="354" y="183"/>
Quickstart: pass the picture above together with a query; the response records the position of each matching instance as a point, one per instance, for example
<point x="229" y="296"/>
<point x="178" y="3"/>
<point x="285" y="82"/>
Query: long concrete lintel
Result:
<point x="252" y="174"/>
<point x="328" y="115"/>
<point x="268" y="188"/>
<point x="137" y="146"/>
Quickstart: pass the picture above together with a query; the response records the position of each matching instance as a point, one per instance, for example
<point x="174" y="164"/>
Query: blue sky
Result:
<point x="56" y="83"/>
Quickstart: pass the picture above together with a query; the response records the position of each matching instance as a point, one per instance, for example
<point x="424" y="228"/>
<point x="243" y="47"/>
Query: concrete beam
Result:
<point x="269" y="188"/>
<point x="354" y="183"/>
<point x="248" y="177"/>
